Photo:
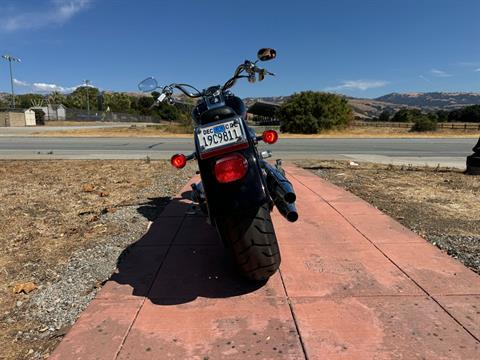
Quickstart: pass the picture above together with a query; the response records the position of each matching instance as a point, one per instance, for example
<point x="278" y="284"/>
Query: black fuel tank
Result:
<point x="233" y="106"/>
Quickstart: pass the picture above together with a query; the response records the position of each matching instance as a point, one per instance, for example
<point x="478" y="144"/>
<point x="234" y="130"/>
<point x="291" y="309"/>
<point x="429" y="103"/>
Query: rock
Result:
<point x="111" y="210"/>
<point x="19" y="303"/>
<point x="88" y="187"/>
<point x="103" y="193"/>
<point x="93" y="218"/>
<point x="25" y="287"/>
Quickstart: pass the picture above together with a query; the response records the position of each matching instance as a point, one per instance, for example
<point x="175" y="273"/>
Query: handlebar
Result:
<point x="249" y="67"/>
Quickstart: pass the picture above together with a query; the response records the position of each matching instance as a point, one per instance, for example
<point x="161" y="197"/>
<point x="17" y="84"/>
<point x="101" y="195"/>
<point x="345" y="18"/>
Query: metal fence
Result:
<point x="82" y="115"/>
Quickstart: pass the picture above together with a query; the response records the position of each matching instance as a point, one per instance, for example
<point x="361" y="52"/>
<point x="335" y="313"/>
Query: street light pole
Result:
<point x="10" y="58"/>
<point x="87" y="84"/>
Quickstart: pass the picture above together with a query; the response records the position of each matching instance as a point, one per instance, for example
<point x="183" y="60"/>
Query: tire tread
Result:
<point x="252" y="242"/>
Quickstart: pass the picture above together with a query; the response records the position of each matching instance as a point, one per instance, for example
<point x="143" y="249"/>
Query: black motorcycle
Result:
<point x="238" y="188"/>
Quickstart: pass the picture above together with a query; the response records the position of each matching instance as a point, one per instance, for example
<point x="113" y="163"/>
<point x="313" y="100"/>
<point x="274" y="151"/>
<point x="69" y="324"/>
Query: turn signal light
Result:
<point x="270" y="136"/>
<point x="178" y="160"/>
<point x="230" y="168"/>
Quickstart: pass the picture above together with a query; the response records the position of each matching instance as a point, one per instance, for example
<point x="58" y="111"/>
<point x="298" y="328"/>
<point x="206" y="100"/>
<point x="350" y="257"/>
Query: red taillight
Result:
<point x="270" y="136"/>
<point x="230" y="168"/>
<point x="178" y="160"/>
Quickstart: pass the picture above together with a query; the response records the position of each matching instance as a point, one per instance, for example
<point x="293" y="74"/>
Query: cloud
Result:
<point x="57" y="12"/>
<point x="44" y="87"/>
<point x="477" y="70"/>
<point x="20" y="83"/>
<point x="439" y="73"/>
<point x="469" y="63"/>
<point x="424" y="78"/>
<point x="358" y="85"/>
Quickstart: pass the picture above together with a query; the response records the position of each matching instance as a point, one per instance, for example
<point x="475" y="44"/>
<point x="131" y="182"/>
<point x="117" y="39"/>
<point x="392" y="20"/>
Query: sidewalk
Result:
<point x="354" y="284"/>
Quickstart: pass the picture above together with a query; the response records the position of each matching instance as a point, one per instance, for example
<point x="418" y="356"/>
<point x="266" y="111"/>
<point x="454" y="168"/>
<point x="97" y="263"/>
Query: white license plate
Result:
<point x="219" y="135"/>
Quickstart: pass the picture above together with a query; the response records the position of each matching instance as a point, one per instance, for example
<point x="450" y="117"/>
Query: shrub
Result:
<point x="311" y="112"/>
<point x="424" y="123"/>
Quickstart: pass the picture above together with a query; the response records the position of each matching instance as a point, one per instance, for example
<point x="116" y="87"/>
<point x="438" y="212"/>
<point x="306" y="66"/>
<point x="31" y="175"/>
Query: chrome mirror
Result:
<point x="147" y="85"/>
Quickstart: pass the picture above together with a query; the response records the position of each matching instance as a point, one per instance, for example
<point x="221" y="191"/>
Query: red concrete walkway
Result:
<point x="354" y="284"/>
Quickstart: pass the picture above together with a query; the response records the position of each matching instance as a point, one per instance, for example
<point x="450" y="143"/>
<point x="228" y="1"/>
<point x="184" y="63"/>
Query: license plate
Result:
<point x="219" y="135"/>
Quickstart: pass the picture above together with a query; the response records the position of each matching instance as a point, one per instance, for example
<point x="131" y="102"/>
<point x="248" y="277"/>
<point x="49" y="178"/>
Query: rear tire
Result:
<point x="252" y="242"/>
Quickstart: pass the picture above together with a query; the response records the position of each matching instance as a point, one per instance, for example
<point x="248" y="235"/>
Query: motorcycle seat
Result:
<point x="217" y="114"/>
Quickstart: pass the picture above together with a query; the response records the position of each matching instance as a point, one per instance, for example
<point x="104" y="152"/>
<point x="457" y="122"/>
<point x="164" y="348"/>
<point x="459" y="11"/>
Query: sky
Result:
<point x="359" y="48"/>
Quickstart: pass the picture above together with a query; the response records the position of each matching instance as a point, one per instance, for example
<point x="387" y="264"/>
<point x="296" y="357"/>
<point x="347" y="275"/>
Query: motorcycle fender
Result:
<point x="238" y="196"/>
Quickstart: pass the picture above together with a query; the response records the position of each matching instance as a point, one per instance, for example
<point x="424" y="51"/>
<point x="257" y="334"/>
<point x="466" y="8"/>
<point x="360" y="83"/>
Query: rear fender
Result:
<point x="238" y="196"/>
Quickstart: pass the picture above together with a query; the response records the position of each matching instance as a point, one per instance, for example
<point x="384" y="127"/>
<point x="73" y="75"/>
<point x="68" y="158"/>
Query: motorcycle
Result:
<point x="238" y="188"/>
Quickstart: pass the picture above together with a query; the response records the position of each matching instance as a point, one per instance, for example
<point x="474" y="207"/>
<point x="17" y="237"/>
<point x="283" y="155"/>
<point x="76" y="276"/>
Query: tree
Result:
<point x="465" y="114"/>
<point x="168" y="112"/>
<point x="442" y="115"/>
<point x="384" y="116"/>
<point x="56" y="98"/>
<point x="311" y="112"/>
<point x="78" y="98"/>
<point x="143" y="105"/>
<point x="26" y="101"/>
<point x="406" y="115"/>
<point x="470" y="114"/>
<point x="118" y="102"/>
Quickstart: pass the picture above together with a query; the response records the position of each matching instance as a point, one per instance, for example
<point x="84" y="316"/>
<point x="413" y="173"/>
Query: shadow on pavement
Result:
<point x="179" y="259"/>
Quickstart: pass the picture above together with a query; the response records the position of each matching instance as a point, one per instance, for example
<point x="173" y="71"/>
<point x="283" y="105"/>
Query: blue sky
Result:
<point x="359" y="48"/>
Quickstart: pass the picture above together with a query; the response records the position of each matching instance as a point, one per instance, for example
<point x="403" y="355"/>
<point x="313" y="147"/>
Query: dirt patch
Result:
<point x="161" y="130"/>
<point x="72" y="123"/>
<point x="440" y="204"/>
<point x="63" y="225"/>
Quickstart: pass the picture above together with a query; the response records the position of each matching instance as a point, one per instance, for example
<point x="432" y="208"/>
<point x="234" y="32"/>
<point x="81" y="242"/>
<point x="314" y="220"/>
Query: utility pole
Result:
<point x="10" y="58"/>
<point x="87" y="85"/>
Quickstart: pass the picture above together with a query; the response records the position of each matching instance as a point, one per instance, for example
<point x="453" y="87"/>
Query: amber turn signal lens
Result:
<point x="270" y="136"/>
<point x="178" y="160"/>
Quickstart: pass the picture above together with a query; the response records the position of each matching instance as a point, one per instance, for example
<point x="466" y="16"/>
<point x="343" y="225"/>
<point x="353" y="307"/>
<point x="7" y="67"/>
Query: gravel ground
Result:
<point x="67" y="240"/>
<point x="440" y="204"/>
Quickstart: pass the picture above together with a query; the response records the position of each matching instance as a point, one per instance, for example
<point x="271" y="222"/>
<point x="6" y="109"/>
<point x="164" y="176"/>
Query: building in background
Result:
<point x="263" y="113"/>
<point x="17" y="117"/>
<point x="52" y="111"/>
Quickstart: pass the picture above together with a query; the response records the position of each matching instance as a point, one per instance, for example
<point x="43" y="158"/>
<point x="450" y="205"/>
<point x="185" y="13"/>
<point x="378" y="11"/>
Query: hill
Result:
<point x="363" y="108"/>
<point x="432" y="100"/>
<point x="368" y="108"/>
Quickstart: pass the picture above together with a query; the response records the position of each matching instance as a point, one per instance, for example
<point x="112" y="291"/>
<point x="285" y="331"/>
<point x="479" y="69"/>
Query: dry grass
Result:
<point x="381" y="132"/>
<point x="439" y="204"/>
<point x="162" y="130"/>
<point x="180" y="131"/>
<point x="72" y="123"/>
<point x="46" y="214"/>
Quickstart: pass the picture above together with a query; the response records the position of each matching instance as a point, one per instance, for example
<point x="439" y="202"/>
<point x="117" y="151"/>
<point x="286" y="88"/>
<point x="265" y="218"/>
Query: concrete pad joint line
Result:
<point x="148" y="291"/>
<point x="292" y="312"/>
<point x="393" y="262"/>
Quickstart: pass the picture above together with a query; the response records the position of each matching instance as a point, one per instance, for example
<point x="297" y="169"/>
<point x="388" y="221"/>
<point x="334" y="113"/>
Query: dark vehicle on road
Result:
<point x="238" y="188"/>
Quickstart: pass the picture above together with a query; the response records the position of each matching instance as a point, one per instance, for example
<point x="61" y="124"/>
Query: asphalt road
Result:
<point x="446" y="152"/>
